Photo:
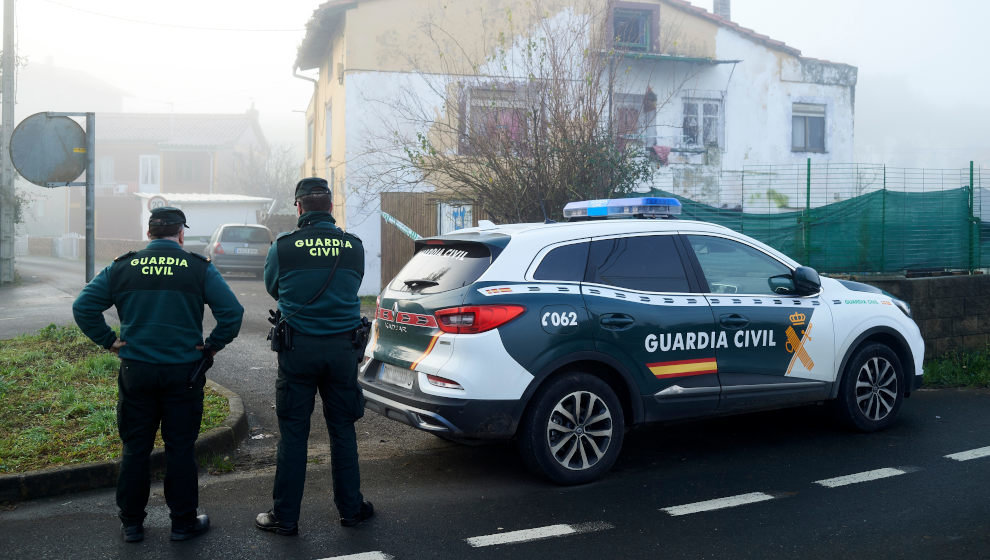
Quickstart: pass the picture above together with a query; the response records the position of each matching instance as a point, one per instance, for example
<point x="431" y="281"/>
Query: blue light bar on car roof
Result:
<point x="623" y="208"/>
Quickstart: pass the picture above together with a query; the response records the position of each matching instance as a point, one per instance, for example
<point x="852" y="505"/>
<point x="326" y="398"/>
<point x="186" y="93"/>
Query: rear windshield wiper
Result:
<point x="420" y="283"/>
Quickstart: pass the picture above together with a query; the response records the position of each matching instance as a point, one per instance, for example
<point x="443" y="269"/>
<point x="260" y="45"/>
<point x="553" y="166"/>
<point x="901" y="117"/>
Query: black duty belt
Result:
<point x="346" y="335"/>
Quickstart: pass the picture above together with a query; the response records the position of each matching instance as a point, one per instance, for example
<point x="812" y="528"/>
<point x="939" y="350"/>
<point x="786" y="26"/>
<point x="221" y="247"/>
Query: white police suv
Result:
<point x="562" y="335"/>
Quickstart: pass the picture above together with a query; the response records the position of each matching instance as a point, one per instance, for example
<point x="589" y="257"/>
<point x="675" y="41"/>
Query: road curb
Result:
<point x="87" y="476"/>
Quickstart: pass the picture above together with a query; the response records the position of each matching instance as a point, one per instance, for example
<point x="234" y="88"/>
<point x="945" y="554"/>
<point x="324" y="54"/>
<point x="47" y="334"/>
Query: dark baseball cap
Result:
<point x="312" y="185"/>
<point x="166" y="216"/>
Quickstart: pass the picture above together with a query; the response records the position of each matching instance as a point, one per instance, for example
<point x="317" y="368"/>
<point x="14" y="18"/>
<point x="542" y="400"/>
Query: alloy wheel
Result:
<point x="579" y="430"/>
<point x="876" y="388"/>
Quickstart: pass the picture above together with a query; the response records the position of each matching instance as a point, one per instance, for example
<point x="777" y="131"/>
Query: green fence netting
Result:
<point x="855" y="219"/>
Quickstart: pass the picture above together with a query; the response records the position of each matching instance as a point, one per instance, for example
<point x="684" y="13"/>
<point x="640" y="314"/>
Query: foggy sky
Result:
<point x="919" y="99"/>
<point x="179" y="55"/>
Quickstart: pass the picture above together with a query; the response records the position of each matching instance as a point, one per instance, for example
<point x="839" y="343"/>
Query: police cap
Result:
<point x="312" y="185"/>
<point x="167" y="216"/>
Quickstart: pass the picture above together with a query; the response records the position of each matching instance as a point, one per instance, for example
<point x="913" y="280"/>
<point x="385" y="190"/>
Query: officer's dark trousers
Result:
<point x="151" y="395"/>
<point x="327" y="365"/>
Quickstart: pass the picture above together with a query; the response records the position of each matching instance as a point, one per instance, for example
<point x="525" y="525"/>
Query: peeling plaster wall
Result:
<point x="761" y="115"/>
<point x="379" y="69"/>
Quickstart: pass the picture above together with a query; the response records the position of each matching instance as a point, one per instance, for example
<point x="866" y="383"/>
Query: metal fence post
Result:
<point x="972" y="219"/>
<point x="807" y="217"/>
<point x="883" y="223"/>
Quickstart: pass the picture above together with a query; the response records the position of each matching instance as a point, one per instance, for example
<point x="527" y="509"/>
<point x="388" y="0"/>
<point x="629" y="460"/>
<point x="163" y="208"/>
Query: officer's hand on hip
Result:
<point x="200" y="347"/>
<point x="116" y="346"/>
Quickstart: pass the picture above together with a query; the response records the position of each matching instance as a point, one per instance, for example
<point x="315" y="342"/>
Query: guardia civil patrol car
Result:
<point x="562" y="335"/>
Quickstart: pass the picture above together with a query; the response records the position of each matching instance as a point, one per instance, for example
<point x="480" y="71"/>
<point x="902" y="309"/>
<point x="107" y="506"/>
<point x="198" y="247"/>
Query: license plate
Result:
<point x="245" y="251"/>
<point x="397" y="376"/>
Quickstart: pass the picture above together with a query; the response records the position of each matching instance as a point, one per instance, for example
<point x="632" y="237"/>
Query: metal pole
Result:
<point x="6" y="129"/>
<point x="972" y="219"/>
<point x="807" y="217"/>
<point x="90" y="193"/>
<point x="883" y="224"/>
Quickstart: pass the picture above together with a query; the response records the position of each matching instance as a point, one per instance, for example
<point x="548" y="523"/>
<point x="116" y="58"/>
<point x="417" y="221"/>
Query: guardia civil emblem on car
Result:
<point x="561" y="336"/>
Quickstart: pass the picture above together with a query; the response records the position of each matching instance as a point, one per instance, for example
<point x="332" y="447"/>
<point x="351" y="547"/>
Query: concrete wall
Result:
<point x="953" y="312"/>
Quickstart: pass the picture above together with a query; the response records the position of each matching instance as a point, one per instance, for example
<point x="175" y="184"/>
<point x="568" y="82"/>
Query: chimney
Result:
<point x="721" y="9"/>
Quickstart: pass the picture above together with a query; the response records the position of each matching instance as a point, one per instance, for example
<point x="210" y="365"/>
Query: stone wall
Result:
<point x="953" y="312"/>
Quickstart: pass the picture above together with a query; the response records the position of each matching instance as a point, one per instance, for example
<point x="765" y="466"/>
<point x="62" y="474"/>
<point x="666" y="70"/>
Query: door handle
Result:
<point x="733" y="321"/>
<point x="616" y="321"/>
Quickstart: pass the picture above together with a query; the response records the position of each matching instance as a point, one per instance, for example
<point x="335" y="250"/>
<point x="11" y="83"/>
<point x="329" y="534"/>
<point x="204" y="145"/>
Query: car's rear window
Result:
<point x="245" y="235"/>
<point x="648" y="263"/>
<point x="564" y="263"/>
<point x="440" y="268"/>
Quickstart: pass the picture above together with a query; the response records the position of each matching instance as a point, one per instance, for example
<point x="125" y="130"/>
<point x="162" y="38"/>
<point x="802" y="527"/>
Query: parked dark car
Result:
<point x="240" y="248"/>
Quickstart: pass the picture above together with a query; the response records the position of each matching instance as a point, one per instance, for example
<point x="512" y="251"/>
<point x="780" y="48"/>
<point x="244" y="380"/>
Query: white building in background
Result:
<point x="700" y="94"/>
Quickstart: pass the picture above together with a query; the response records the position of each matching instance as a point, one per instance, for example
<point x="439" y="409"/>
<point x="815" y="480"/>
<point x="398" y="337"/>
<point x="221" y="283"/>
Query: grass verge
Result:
<point x="959" y="369"/>
<point x="59" y="395"/>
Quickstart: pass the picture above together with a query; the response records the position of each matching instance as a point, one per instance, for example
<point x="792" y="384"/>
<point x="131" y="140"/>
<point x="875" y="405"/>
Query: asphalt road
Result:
<point x="782" y="484"/>
<point x="803" y="489"/>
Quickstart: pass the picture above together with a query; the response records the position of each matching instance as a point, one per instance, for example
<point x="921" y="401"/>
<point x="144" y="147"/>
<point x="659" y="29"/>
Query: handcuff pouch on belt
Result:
<point x="361" y="335"/>
<point x="280" y="333"/>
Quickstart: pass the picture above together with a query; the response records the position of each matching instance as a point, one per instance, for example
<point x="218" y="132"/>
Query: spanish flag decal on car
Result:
<point x="683" y="368"/>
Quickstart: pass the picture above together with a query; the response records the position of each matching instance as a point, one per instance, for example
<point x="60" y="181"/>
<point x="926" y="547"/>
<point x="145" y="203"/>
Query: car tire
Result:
<point x="556" y="438"/>
<point x="872" y="389"/>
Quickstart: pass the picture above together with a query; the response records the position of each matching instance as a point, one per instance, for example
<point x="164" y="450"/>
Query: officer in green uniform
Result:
<point x="314" y="273"/>
<point x="159" y="293"/>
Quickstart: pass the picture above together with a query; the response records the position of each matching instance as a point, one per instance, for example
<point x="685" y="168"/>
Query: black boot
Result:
<point x="268" y="522"/>
<point x="189" y="529"/>
<point x="132" y="533"/>
<point x="366" y="512"/>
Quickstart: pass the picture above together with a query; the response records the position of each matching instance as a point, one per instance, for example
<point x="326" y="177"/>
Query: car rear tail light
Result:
<point x="438" y="381"/>
<point x="474" y="319"/>
<point x="217" y="249"/>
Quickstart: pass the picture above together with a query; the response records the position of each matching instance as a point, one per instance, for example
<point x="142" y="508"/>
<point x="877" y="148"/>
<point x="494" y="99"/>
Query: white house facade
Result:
<point x="699" y="94"/>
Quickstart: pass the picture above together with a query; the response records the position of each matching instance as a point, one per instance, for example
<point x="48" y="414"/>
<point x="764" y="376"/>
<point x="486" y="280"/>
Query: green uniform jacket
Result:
<point x="298" y="265"/>
<point x="159" y="293"/>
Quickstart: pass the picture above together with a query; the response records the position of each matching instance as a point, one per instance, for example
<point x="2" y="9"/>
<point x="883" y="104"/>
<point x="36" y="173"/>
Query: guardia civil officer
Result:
<point x="159" y="293"/>
<point x="314" y="273"/>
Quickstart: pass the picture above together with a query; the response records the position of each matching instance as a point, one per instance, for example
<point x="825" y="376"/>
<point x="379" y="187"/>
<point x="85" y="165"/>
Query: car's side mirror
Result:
<point x="782" y="284"/>
<point x="806" y="281"/>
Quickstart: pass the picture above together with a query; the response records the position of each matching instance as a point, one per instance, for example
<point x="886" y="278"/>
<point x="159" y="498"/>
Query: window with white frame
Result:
<point x="496" y="117"/>
<point x="149" y="174"/>
<point x="807" y="127"/>
<point x="702" y="123"/>
<point x="634" y="121"/>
